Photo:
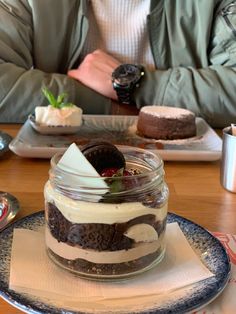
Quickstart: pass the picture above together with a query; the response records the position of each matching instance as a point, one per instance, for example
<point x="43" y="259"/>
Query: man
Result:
<point x="187" y="50"/>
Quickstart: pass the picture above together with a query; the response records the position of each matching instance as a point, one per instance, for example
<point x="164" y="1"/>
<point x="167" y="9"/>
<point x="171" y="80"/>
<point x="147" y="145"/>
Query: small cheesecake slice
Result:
<point x="66" y="116"/>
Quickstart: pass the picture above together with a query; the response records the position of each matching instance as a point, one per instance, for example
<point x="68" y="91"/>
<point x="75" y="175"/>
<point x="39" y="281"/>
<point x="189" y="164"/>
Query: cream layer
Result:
<point x="106" y="213"/>
<point x="104" y="257"/>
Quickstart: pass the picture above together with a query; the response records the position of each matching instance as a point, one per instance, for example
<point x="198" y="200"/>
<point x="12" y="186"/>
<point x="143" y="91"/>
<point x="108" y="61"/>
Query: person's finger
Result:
<point x="73" y="74"/>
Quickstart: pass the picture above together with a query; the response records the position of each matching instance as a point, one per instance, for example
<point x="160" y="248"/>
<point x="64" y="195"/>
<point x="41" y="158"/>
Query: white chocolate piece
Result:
<point x="83" y="173"/>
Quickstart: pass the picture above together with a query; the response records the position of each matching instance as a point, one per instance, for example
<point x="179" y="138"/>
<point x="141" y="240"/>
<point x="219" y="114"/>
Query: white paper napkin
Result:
<point x="33" y="272"/>
<point x="226" y="302"/>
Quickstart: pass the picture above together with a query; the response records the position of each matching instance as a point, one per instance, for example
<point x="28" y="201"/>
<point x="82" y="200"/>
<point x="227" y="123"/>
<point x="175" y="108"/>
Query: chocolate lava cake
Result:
<point x="166" y="123"/>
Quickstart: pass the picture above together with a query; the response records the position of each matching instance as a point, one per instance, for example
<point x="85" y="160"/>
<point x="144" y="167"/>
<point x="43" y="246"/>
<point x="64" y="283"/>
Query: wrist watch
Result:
<point x="125" y="78"/>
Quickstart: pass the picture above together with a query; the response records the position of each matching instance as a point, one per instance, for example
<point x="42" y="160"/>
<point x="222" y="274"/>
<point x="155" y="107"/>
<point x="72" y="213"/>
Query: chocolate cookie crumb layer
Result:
<point x="85" y="267"/>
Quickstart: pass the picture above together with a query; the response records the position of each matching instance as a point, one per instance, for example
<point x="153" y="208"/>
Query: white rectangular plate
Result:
<point x="120" y="130"/>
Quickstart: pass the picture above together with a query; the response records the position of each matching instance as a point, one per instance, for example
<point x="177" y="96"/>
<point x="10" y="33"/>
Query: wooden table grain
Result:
<point x="195" y="191"/>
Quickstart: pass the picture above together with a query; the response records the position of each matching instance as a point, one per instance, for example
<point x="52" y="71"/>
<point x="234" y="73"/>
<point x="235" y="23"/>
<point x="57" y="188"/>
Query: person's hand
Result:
<point x="95" y="72"/>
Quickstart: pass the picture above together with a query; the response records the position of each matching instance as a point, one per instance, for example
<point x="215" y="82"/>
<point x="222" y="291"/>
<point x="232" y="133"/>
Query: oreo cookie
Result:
<point x="103" y="154"/>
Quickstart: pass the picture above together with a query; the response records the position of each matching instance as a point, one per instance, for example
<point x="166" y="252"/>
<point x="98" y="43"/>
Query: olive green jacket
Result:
<point x="193" y="44"/>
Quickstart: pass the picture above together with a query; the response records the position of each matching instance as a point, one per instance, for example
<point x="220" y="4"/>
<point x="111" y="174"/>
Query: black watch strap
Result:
<point x="125" y="96"/>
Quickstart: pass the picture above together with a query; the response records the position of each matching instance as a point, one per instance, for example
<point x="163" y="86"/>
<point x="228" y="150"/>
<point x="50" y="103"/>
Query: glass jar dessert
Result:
<point x="111" y="225"/>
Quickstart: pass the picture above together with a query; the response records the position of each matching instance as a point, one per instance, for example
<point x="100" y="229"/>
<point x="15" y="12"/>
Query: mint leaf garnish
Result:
<point x="59" y="102"/>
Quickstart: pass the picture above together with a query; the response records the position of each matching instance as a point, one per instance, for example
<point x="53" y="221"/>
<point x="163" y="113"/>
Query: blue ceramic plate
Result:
<point x="184" y="300"/>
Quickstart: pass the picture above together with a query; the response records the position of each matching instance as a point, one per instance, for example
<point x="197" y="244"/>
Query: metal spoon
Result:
<point x="9" y="207"/>
<point x="5" y="140"/>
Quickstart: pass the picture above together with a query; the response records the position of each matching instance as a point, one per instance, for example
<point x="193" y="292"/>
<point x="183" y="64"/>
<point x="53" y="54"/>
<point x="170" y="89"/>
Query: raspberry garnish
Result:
<point x="109" y="172"/>
<point x="115" y="172"/>
<point x="127" y="173"/>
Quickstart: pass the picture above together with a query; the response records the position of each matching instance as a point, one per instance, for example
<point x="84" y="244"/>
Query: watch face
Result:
<point x="126" y="74"/>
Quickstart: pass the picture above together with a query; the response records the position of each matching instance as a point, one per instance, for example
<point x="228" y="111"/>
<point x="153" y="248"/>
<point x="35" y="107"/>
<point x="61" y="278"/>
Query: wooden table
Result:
<point x="195" y="192"/>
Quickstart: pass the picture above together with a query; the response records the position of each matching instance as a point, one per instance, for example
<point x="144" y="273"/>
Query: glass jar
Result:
<point x="112" y="232"/>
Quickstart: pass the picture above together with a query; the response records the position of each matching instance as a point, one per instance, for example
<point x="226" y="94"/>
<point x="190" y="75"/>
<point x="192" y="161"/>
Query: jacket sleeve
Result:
<point x="210" y="92"/>
<point x="20" y="82"/>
